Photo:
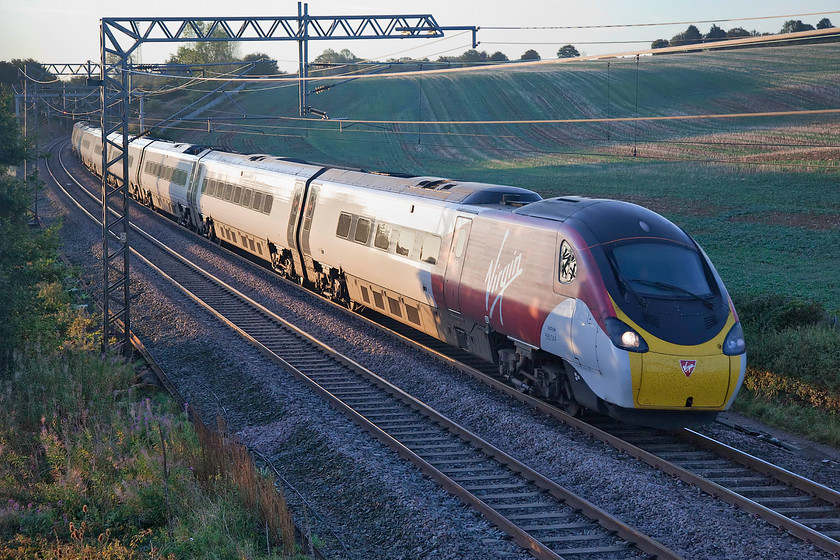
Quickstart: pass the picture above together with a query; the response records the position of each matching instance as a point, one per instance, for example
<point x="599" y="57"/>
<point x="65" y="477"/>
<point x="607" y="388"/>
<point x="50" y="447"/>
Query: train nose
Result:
<point x="681" y="381"/>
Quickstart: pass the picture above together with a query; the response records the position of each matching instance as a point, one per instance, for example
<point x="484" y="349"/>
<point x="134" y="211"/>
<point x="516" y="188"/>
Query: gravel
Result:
<point x="378" y="505"/>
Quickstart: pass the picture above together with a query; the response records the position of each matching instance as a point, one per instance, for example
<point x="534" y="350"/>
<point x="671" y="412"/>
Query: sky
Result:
<point x="67" y="31"/>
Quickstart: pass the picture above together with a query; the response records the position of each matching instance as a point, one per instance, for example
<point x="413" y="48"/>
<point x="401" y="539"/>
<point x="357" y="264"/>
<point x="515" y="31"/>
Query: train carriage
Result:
<point x="247" y="200"/>
<point x="589" y="302"/>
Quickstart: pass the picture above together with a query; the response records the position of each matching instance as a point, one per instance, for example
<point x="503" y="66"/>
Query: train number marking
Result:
<point x="688" y="366"/>
<point x="499" y="278"/>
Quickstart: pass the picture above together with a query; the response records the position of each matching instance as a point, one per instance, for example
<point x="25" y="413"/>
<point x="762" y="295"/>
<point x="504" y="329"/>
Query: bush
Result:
<point x="774" y="312"/>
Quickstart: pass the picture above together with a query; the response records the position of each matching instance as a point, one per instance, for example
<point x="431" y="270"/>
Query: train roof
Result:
<point x="608" y="220"/>
<point x="435" y="188"/>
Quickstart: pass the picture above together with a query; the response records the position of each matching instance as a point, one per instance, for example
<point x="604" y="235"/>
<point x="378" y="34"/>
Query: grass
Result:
<point x="761" y="195"/>
<point x="93" y="466"/>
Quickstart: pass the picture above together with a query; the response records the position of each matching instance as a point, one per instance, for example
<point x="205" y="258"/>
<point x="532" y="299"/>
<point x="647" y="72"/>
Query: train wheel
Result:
<point x="567" y="400"/>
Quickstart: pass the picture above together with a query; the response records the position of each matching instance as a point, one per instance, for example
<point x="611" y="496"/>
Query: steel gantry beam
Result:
<point x="120" y="37"/>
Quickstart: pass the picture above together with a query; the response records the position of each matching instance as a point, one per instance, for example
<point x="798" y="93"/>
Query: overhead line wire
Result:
<point x="620" y="25"/>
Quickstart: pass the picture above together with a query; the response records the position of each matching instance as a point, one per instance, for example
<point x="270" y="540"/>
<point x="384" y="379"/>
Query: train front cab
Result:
<point x="673" y="334"/>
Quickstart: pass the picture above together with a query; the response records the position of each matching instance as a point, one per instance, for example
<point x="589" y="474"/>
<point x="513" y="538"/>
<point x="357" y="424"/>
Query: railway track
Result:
<point x="541" y="516"/>
<point x="806" y="509"/>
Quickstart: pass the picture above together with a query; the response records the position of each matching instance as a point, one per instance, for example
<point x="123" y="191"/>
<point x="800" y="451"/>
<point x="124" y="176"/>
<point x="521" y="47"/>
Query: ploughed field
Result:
<point x="760" y="194"/>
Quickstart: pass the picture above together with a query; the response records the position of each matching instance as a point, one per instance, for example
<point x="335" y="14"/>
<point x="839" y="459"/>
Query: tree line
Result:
<point x="692" y="34"/>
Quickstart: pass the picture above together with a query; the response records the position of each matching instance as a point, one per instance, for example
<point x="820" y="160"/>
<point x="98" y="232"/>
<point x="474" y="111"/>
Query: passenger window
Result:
<point x="256" y="204"/>
<point x="228" y="191"/>
<point x="382" y="240"/>
<point x="269" y="200"/>
<point x="237" y="195"/>
<point x="342" y="230"/>
<point x="406" y="242"/>
<point x="431" y="248"/>
<point x="204" y="185"/>
<point x="246" y="198"/>
<point x="362" y="231"/>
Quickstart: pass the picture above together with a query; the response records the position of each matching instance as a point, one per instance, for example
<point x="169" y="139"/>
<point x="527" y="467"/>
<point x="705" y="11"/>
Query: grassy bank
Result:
<point x="93" y="464"/>
<point x="792" y="377"/>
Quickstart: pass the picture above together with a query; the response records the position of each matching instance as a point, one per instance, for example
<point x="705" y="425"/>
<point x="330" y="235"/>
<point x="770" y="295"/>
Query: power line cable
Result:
<point x="620" y="25"/>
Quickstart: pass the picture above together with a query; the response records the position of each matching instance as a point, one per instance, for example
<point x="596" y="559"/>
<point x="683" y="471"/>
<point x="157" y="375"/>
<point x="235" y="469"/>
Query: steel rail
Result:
<point x="523" y="538"/>
<point x="714" y="489"/>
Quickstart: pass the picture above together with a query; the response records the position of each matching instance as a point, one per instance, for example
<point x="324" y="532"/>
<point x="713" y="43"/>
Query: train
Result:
<point x="592" y="303"/>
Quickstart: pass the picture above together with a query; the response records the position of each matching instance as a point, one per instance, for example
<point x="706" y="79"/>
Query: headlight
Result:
<point x="625" y="337"/>
<point x="734" y="344"/>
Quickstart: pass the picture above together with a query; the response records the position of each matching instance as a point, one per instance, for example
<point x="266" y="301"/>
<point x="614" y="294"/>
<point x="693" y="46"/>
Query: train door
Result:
<point x="292" y="228"/>
<point x="195" y="181"/>
<point x="455" y="264"/>
<point x="311" y="201"/>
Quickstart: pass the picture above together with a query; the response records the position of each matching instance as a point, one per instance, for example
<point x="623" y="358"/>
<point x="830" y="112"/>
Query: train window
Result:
<point x="204" y="185"/>
<point x="343" y="228"/>
<point x="256" y="204"/>
<point x="228" y="191"/>
<point x="430" y="249"/>
<point x="246" y="198"/>
<point x="382" y="240"/>
<point x="182" y="177"/>
<point x="406" y="242"/>
<point x="211" y="187"/>
<point x="237" y="195"/>
<point x="662" y="269"/>
<point x="394" y="304"/>
<point x="378" y="301"/>
<point x="362" y="234"/>
<point x="269" y="200"/>
<point x="412" y="313"/>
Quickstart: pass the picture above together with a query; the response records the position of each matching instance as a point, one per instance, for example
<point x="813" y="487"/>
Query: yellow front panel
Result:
<point x="659" y="380"/>
<point x="665" y="382"/>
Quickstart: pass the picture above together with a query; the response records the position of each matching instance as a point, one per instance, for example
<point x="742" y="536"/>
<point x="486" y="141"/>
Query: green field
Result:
<point x="761" y="194"/>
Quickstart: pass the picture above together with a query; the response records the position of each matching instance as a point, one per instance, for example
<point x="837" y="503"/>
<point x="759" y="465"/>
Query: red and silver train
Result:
<point x="591" y="303"/>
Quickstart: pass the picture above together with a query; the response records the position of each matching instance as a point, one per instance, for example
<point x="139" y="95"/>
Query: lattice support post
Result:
<point x="116" y="316"/>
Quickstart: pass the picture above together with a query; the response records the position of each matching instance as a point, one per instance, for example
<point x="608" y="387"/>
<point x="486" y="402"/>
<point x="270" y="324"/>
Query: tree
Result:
<point x="795" y="26"/>
<point x="688" y="37"/>
<point x="205" y="52"/>
<point x="715" y="34"/>
<point x="824" y="23"/>
<point x="27" y="258"/>
<point x="264" y="65"/>
<point x="660" y="44"/>
<point x="530" y="54"/>
<point x="13" y="147"/>
<point x="10" y="75"/>
<point x="567" y="51"/>
<point x="473" y="55"/>
<point x="737" y="32"/>
<point x="498" y="56"/>
<point x="329" y="56"/>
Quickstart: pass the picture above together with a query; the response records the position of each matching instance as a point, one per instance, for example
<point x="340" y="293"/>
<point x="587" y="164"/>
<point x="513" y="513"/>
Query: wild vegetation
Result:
<point x="760" y="194"/>
<point x="93" y="464"/>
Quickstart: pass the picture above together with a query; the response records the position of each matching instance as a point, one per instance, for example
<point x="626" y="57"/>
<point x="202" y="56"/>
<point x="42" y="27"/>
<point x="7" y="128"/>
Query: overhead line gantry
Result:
<point x="120" y="37"/>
